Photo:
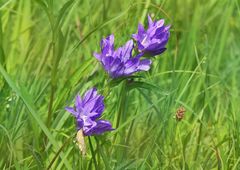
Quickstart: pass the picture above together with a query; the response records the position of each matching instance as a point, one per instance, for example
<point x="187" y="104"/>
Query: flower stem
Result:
<point x="121" y="118"/>
<point x="93" y="153"/>
<point x="122" y="105"/>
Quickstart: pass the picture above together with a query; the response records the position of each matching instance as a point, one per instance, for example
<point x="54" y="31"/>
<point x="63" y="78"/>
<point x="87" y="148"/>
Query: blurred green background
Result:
<point x="46" y="55"/>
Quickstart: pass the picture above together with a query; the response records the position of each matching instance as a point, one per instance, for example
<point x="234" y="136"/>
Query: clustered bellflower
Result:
<point x="153" y="40"/>
<point x="87" y="111"/>
<point x="120" y="62"/>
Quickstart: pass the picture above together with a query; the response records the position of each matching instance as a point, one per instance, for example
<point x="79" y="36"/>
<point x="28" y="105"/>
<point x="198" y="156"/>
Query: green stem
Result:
<point x="93" y="153"/>
<point x="173" y="141"/>
<point x="50" y="106"/>
<point x="121" y="118"/>
<point x="122" y="105"/>
<point x="55" y="61"/>
<point x="53" y="79"/>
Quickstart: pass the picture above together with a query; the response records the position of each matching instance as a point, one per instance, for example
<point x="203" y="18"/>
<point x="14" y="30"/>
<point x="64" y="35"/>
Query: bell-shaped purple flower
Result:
<point x="120" y="62"/>
<point x="153" y="40"/>
<point x="87" y="110"/>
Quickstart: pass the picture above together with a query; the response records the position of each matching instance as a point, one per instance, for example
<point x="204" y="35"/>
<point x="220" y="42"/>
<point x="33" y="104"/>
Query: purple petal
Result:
<point x="156" y="45"/>
<point x="99" y="108"/>
<point x="131" y="62"/>
<point x="140" y="34"/>
<point x="140" y="46"/>
<point x="110" y="39"/>
<point x="88" y="95"/>
<point x="107" y="62"/>
<point x="167" y="27"/>
<point x="99" y="105"/>
<point x="117" y="53"/>
<point x="79" y="123"/>
<point x="141" y="30"/>
<point x="150" y="22"/>
<point x="115" y="65"/>
<point x="151" y="32"/>
<point x="72" y="111"/>
<point x="78" y="103"/>
<point x="87" y="121"/>
<point x="87" y="129"/>
<point x="108" y="42"/>
<point x="127" y="50"/>
<point x="131" y="66"/>
<point x="94" y="115"/>
<point x="144" y="65"/>
<point x="107" y="45"/>
<point x="119" y="71"/>
<point x="101" y="127"/>
<point x="135" y="36"/>
<point x="159" y="32"/>
<point x="160" y="23"/>
<point x="153" y="47"/>
<point x="97" y="56"/>
<point x="92" y="105"/>
<point x="157" y="52"/>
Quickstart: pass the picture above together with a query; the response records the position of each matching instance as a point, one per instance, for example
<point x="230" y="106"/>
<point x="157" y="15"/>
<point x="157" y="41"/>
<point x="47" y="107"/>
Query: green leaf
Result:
<point x="43" y="5"/>
<point x="148" y="86"/>
<point x="2" y="56"/>
<point x="25" y="97"/>
<point x="117" y="81"/>
<point x="61" y="15"/>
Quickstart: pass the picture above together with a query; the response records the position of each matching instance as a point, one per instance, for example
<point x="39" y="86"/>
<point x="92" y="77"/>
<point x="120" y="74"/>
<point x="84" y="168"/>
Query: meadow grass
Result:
<point x="46" y="55"/>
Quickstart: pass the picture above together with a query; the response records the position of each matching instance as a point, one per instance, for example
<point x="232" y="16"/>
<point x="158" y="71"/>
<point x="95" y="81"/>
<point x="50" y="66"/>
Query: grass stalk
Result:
<point x="122" y="105"/>
<point x="58" y="152"/>
<point x="93" y="153"/>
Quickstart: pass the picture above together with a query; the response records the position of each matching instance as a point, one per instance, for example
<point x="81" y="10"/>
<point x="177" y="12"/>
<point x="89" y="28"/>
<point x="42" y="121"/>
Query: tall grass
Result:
<point x="46" y="55"/>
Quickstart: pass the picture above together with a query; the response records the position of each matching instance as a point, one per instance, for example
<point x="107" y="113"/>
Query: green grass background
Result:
<point x="46" y="58"/>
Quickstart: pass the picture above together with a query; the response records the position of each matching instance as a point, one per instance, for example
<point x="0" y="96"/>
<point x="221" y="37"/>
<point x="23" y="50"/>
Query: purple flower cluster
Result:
<point x="154" y="39"/>
<point x="87" y="111"/>
<point x="121" y="62"/>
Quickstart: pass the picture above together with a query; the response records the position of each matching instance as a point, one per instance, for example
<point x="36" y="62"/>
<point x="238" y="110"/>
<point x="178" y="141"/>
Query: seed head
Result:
<point x="180" y="113"/>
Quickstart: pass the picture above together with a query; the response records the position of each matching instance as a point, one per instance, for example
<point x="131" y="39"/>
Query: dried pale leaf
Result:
<point x="80" y="142"/>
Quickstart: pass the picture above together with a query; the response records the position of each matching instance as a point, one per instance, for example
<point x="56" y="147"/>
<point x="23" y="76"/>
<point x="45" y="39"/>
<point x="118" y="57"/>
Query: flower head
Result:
<point x="120" y="62"/>
<point x="154" y="39"/>
<point x="180" y="113"/>
<point x="87" y="110"/>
